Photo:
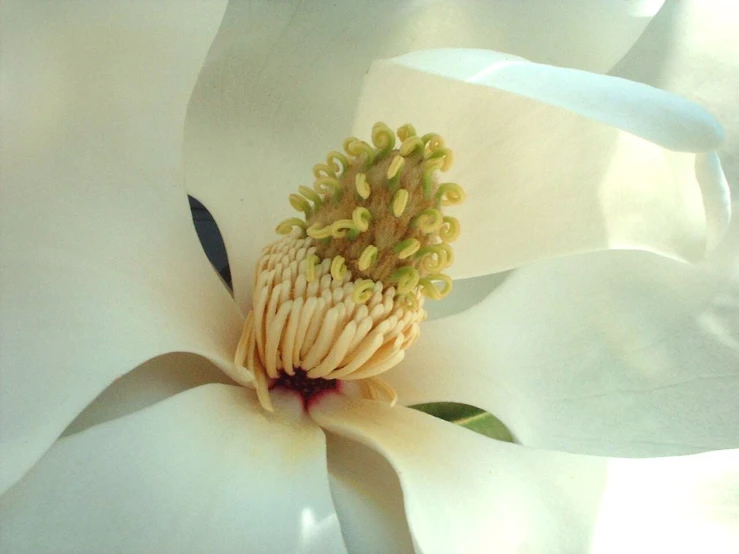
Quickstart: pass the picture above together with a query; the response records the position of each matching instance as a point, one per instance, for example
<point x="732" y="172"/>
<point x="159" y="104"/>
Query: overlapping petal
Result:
<point x="466" y="493"/>
<point x="281" y="82"/>
<point x="557" y="161"/>
<point x="368" y="499"/>
<point x="611" y="353"/>
<point x="204" y="471"/>
<point x="100" y="268"/>
<point x="692" y="48"/>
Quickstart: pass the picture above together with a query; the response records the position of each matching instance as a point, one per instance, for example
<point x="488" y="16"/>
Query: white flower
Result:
<point x="610" y="353"/>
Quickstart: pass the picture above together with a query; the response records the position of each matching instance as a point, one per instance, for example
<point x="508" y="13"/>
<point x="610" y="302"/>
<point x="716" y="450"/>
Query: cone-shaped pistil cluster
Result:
<point x="341" y="296"/>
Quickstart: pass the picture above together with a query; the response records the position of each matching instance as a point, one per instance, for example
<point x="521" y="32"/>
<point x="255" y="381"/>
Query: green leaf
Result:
<point x="470" y="417"/>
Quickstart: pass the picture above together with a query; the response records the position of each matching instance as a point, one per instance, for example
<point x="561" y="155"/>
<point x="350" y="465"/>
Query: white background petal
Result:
<point x="100" y="268"/>
<point x="692" y="48"/>
<point x="545" y="170"/>
<point x="466" y="493"/>
<point x="282" y="80"/>
<point x="613" y="353"/>
<point x="205" y="471"/>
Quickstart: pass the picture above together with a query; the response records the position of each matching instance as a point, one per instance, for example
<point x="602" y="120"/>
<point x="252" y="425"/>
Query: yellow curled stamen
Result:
<point x="363" y="290"/>
<point x="327" y="186"/>
<point x="335" y="158"/>
<point x="443" y="154"/>
<point x="429" y="168"/>
<point x="433" y="142"/>
<point x="311" y="195"/>
<point x="428" y="221"/>
<point x="411" y="145"/>
<point x="301" y="204"/>
<point x="347" y="142"/>
<point x="368" y="257"/>
<point x="406" y="131"/>
<point x="340" y="227"/>
<point x="429" y="289"/>
<point x="400" y="201"/>
<point x="285" y="227"/>
<point x="448" y="253"/>
<point x="450" y="230"/>
<point x="406" y="248"/>
<point x="316" y="231"/>
<point x="363" y="188"/>
<point x="406" y="278"/>
<point x="310" y="267"/>
<point x="449" y="194"/>
<point x="338" y="268"/>
<point x="383" y="138"/>
<point x="361" y="151"/>
<point x="322" y="170"/>
<point x="431" y="259"/>
<point x="361" y="218"/>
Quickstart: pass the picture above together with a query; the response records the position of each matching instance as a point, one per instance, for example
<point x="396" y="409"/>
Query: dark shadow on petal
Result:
<point x="210" y="239"/>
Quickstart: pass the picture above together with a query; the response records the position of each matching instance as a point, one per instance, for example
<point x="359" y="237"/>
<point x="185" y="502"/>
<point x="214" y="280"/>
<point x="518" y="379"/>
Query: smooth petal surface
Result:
<point x="279" y="89"/>
<point x="692" y="48"/>
<point x="368" y="499"/>
<point x="611" y="353"/>
<point x="100" y="267"/>
<point x="557" y="161"/>
<point x="205" y="471"/>
<point x="467" y="493"/>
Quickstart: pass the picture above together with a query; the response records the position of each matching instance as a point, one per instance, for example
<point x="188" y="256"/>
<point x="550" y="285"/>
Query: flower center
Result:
<point x="341" y="296"/>
<point x="309" y="389"/>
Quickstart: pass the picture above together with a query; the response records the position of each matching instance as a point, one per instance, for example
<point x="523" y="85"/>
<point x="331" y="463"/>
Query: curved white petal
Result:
<point x="100" y="267"/>
<point x="556" y="161"/>
<point x="368" y="499"/>
<point x="467" y="493"/>
<point x="205" y="471"/>
<point x="153" y="381"/>
<point x="611" y="353"/>
<point x="281" y="82"/>
<point x="692" y="48"/>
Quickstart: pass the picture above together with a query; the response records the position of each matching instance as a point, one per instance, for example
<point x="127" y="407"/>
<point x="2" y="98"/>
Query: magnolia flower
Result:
<point x="101" y="271"/>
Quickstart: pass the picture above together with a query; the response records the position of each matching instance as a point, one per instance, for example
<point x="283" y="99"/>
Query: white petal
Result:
<point x="205" y="471"/>
<point x="612" y="353"/>
<point x="151" y="382"/>
<point x="368" y="499"/>
<point x="692" y="48"/>
<point x="466" y="493"/>
<point x="556" y="161"/>
<point x="280" y="87"/>
<point x="101" y="268"/>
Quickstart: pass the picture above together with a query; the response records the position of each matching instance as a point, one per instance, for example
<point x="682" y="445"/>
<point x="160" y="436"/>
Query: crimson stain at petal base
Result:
<point x="310" y="390"/>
